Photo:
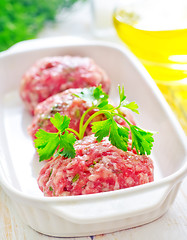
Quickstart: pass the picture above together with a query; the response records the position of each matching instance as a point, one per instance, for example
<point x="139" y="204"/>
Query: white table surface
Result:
<point x="171" y="226"/>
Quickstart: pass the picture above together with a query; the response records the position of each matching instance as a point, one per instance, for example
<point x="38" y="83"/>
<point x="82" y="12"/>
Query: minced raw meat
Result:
<point x="66" y="103"/>
<point x="97" y="167"/>
<point x="52" y="75"/>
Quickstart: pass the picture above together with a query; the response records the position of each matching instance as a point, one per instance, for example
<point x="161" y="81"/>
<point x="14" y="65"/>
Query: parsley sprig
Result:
<point x="63" y="141"/>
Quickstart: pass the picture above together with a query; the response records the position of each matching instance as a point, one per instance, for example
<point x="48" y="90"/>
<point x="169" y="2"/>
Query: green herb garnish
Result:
<point x="63" y="141"/>
<point x="75" y="178"/>
<point x="47" y="143"/>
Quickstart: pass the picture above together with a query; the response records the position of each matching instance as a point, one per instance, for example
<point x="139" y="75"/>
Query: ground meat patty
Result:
<point x="52" y="75"/>
<point x="66" y="104"/>
<point x="97" y="167"/>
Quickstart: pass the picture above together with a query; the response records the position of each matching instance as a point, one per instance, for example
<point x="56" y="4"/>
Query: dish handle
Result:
<point x="116" y="205"/>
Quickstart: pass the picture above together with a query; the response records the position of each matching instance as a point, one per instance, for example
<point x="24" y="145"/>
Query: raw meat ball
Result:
<point x="52" y="75"/>
<point x="97" y="167"/>
<point x="66" y="103"/>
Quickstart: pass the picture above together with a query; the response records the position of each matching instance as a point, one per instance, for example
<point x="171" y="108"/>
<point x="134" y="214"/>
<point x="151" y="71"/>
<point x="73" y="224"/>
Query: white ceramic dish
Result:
<point x="97" y="213"/>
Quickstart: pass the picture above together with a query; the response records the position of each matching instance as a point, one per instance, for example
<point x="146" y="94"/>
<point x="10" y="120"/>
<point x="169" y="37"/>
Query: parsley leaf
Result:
<point x="46" y="144"/>
<point x="93" y="95"/>
<point x="121" y="93"/>
<point x="99" y="94"/>
<point x="118" y="135"/>
<point x="141" y="140"/>
<point x="101" y="129"/>
<point x="105" y="106"/>
<point x="67" y="141"/>
<point x="132" y="106"/>
<point x="60" y="122"/>
<point x="124" y="103"/>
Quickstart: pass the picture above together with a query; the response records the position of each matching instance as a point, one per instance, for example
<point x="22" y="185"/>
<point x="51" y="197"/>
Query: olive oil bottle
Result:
<point x="157" y="34"/>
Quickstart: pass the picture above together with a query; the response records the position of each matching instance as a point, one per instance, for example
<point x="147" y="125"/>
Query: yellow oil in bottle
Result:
<point x="161" y="49"/>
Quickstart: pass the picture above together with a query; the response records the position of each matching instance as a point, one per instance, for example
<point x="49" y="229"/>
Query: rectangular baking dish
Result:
<point x="98" y="213"/>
